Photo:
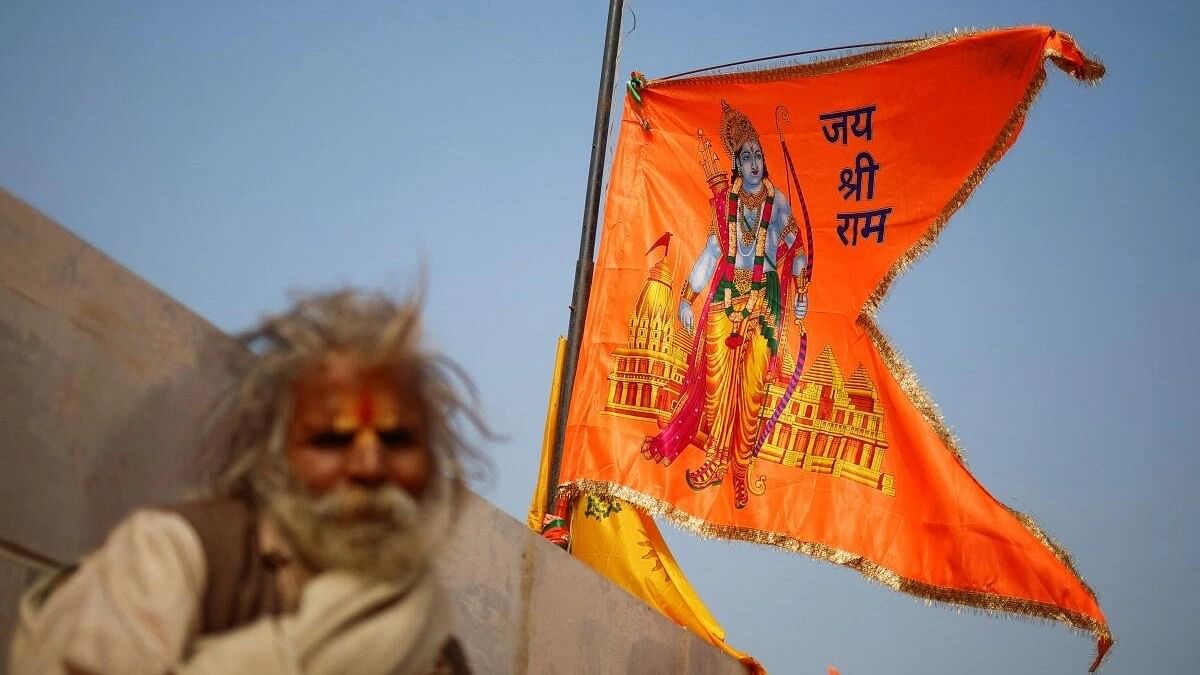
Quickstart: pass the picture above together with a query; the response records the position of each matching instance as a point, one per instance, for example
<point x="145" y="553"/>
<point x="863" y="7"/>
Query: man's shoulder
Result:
<point x="147" y="523"/>
<point x="223" y="524"/>
<point x="240" y="579"/>
<point x="226" y="510"/>
<point x="148" y="540"/>
<point x="194" y="519"/>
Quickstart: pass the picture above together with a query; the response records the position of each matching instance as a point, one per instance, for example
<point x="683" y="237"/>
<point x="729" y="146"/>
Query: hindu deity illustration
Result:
<point x="718" y="374"/>
<point x="751" y="273"/>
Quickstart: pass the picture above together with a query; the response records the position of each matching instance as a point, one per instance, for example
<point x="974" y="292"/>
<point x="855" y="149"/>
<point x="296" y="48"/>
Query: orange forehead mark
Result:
<point x="345" y="424"/>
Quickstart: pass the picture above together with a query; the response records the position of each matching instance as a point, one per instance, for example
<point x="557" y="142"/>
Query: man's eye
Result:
<point x="331" y="440"/>
<point x="397" y="438"/>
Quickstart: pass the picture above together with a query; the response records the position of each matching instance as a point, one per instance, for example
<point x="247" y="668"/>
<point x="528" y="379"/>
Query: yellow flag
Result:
<point x="624" y="544"/>
<point x="537" y="504"/>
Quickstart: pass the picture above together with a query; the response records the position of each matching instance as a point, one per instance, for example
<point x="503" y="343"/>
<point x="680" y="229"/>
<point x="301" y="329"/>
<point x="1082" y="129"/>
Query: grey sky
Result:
<point x="230" y="151"/>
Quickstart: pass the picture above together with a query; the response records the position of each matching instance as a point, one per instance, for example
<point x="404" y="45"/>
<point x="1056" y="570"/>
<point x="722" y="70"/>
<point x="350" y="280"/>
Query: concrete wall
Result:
<point x="105" y="384"/>
<point x="525" y="606"/>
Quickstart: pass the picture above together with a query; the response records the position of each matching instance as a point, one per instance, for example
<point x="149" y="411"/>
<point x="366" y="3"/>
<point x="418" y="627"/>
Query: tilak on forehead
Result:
<point x="365" y="410"/>
<point x="366" y="407"/>
<point x="358" y="402"/>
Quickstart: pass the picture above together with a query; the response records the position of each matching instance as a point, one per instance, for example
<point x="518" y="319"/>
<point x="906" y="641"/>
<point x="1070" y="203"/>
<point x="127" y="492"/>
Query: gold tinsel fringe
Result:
<point x="869" y="57"/>
<point x="904" y="375"/>
<point x="1090" y="72"/>
<point x="1003" y="141"/>
<point x="986" y="603"/>
<point x="910" y="384"/>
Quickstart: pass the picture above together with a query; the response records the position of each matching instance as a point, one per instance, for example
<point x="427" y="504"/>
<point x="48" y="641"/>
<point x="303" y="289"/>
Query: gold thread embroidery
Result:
<point x="741" y="279"/>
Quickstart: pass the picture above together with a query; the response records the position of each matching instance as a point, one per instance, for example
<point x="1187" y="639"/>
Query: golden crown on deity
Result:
<point x="736" y="129"/>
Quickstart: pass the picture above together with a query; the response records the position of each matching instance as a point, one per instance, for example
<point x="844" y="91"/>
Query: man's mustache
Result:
<point x="385" y="503"/>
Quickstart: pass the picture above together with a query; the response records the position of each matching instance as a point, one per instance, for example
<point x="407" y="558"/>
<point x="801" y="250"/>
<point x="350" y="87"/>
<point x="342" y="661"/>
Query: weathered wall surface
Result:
<point x="105" y="384"/>
<point x="524" y="606"/>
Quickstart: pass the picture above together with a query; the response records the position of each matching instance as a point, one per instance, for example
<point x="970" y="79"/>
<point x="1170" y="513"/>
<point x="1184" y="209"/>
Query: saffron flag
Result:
<point x="732" y="376"/>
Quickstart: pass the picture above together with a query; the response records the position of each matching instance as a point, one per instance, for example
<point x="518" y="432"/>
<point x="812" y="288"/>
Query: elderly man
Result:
<point x="341" y="469"/>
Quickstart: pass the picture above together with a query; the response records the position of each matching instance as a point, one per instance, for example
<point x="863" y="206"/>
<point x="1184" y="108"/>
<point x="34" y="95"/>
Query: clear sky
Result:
<point x="231" y="151"/>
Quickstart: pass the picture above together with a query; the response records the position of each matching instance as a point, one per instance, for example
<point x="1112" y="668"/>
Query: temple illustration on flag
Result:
<point x="832" y="425"/>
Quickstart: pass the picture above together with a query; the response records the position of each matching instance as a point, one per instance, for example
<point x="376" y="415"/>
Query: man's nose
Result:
<point x="364" y="465"/>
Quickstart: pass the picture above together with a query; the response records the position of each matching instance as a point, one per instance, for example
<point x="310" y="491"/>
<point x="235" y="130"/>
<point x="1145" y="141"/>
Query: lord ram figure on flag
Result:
<point x="696" y="396"/>
<point x="752" y="274"/>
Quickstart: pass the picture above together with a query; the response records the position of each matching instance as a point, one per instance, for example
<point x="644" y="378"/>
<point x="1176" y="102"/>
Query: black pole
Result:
<point x="587" y="240"/>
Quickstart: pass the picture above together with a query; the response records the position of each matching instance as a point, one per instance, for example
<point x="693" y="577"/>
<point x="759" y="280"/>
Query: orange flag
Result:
<point x="736" y="381"/>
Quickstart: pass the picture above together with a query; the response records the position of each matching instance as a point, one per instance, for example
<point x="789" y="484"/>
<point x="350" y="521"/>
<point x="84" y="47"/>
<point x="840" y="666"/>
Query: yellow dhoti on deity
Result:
<point x="733" y="400"/>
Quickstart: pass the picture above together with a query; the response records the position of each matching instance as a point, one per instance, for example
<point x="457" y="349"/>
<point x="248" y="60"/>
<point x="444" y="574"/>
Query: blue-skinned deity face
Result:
<point x="750" y="166"/>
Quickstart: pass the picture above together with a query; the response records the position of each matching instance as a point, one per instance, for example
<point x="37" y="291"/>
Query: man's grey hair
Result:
<point x="381" y="331"/>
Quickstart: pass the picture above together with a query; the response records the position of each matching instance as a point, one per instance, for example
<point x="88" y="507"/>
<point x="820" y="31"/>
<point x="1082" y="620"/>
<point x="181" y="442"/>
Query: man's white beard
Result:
<point x="373" y="532"/>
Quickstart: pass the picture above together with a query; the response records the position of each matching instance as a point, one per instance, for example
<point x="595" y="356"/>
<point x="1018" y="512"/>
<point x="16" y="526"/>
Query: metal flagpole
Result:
<point x="587" y="241"/>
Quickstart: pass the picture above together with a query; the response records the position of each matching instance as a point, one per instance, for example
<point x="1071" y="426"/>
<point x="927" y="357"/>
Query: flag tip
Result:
<point x="1102" y="646"/>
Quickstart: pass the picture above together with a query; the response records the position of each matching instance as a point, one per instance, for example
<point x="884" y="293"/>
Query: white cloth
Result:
<point x="133" y="608"/>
